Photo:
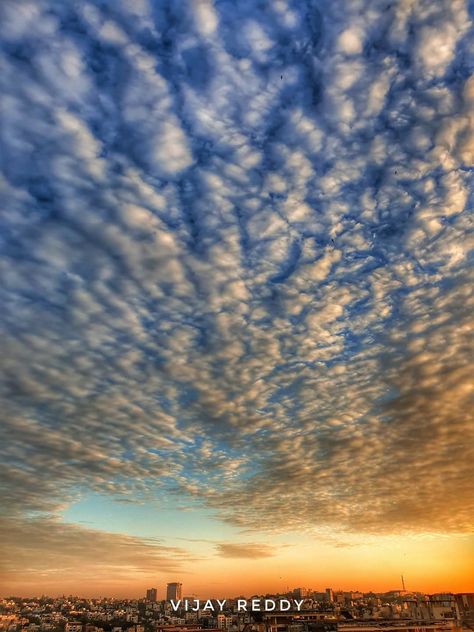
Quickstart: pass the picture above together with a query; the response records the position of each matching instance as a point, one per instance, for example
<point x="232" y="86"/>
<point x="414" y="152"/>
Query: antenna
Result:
<point x="403" y="583"/>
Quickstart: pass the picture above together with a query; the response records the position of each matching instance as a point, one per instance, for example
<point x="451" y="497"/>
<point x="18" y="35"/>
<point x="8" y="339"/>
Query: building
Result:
<point x="224" y="622"/>
<point x="442" y="606"/>
<point x="174" y="591"/>
<point x="151" y="594"/>
<point x="301" y="593"/>
<point x="465" y="608"/>
<point x="338" y="597"/>
<point x="299" y="622"/>
<point x="465" y="602"/>
<point x="391" y="626"/>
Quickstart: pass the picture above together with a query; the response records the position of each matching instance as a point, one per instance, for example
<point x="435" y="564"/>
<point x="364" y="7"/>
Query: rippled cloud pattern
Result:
<point x="235" y="263"/>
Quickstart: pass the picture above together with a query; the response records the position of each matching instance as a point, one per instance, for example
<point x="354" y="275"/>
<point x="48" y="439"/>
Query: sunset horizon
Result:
<point x="139" y="593"/>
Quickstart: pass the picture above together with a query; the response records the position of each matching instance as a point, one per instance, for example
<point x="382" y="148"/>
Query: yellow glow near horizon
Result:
<point x="429" y="564"/>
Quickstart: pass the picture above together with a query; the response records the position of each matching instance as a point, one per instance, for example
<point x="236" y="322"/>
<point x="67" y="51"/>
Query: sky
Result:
<point x="236" y="295"/>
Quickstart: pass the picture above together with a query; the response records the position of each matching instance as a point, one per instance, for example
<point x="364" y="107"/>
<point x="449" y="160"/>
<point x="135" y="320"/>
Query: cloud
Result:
<point x="235" y="263"/>
<point x="48" y="548"/>
<point x="246" y="550"/>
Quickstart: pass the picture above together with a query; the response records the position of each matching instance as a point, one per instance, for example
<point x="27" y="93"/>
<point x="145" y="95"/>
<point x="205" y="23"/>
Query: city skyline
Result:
<point x="236" y="292"/>
<point x="304" y="596"/>
<point x="342" y="612"/>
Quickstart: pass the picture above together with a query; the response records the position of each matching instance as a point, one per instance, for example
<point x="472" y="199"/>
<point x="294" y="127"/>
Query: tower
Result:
<point x="151" y="594"/>
<point x="174" y="591"/>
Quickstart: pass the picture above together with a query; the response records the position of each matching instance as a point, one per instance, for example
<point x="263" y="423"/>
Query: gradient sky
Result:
<point x="236" y="295"/>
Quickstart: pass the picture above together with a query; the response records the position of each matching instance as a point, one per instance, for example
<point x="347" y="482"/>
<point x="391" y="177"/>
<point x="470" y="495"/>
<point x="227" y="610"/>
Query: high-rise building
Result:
<point x="329" y="595"/>
<point x="174" y="591"/>
<point x="151" y="594"/>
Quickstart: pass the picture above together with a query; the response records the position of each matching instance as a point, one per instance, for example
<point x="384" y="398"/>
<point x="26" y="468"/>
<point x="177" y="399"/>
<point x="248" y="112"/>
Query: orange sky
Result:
<point x="429" y="564"/>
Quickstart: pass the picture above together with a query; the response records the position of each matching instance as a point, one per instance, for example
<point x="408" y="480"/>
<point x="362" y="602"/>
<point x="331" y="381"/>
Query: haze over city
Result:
<point x="236" y="296"/>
